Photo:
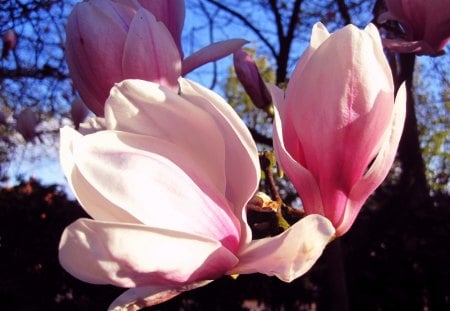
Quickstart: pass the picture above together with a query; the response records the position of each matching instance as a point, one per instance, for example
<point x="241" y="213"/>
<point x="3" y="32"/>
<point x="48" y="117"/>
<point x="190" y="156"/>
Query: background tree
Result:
<point x="33" y="75"/>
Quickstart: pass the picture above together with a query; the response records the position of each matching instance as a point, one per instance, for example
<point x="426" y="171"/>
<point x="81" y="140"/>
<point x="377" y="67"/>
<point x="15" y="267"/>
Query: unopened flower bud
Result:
<point x="248" y="74"/>
<point x="26" y="124"/>
<point x="78" y="111"/>
<point x="9" y="42"/>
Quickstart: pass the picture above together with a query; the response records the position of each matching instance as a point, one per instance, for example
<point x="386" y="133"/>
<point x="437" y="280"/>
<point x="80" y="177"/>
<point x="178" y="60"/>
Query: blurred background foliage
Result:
<point x="396" y="255"/>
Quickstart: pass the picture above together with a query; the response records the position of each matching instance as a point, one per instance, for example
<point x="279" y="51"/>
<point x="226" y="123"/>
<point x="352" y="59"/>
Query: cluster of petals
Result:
<point x="110" y="41"/>
<point x="166" y="176"/>
<point x="426" y="24"/>
<point x="337" y="129"/>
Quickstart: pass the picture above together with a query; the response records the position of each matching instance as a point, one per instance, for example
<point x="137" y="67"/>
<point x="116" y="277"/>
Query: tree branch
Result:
<point x="343" y="9"/>
<point x="37" y="73"/>
<point x="259" y="138"/>
<point x="247" y="23"/>
<point x="294" y="21"/>
<point x="278" y="22"/>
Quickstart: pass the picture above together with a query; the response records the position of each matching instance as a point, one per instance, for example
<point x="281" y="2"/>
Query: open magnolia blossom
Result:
<point x="110" y="41"/>
<point x="337" y="129"/>
<point x="166" y="177"/>
<point x="426" y="24"/>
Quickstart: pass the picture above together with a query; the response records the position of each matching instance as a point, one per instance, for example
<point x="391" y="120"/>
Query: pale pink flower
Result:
<point x="426" y="24"/>
<point x="337" y="128"/>
<point x="26" y="124"/>
<point x="110" y="41"/>
<point x="166" y="183"/>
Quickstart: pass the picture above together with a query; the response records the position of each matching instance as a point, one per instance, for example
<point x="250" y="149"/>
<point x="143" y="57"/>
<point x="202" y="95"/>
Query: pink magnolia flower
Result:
<point x="337" y="129"/>
<point x="166" y="181"/>
<point x="26" y="124"/>
<point x="248" y="74"/>
<point x="9" y="42"/>
<point x="109" y="41"/>
<point x="426" y="23"/>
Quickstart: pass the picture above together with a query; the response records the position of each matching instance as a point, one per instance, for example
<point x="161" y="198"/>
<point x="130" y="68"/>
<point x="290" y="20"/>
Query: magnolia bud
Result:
<point x="9" y="42"/>
<point x="26" y="124"/>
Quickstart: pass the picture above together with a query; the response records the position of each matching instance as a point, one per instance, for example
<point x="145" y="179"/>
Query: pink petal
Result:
<point x="289" y="136"/>
<point x="319" y="34"/>
<point x="92" y="125"/>
<point x="93" y="202"/>
<point x="302" y="179"/>
<point x="143" y="107"/>
<point x="143" y="176"/>
<point x="96" y="33"/>
<point x="211" y="53"/>
<point x="136" y="298"/>
<point x="129" y="255"/>
<point x="171" y="13"/>
<point x="381" y="165"/>
<point x="150" y="52"/>
<point x="241" y="155"/>
<point x="402" y="46"/>
<point x="290" y="254"/>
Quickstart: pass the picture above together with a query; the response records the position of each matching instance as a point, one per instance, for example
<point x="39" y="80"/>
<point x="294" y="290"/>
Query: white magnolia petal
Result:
<point x="144" y="177"/>
<point x="380" y="166"/>
<point x="290" y="254"/>
<point x="130" y="255"/>
<point x="241" y="154"/>
<point x="143" y="107"/>
<point x="93" y="202"/>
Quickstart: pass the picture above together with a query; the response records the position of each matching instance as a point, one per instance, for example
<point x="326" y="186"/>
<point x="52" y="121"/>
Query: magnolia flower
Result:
<point x="26" y="124"/>
<point x="166" y="183"/>
<point x="337" y="128"/>
<point x="9" y="42"/>
<point x="78" y="111"/>
<point x="248" y="74"/>
<point x="109" y="41"/>
<point x="426" y="24"/>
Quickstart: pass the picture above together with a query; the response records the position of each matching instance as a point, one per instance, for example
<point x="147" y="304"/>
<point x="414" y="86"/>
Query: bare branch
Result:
<point x="35" y="73"/>
<point x="276" y="13"/>
<point x="247" y="23"/>
<point x="343" y="9"/>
